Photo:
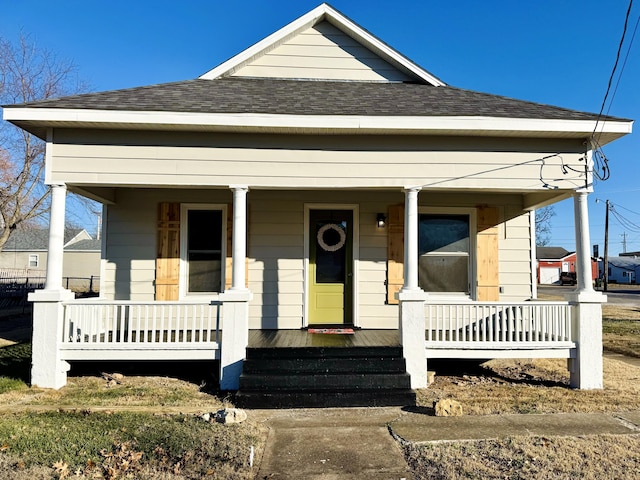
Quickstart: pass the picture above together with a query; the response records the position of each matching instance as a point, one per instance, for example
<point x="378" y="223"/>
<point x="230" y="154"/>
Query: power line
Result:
<point x="613" y="71"/>
<point x="624" y="64"/>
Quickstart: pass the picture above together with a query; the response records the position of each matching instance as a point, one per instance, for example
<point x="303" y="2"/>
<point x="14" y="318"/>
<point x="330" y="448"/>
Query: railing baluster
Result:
<point x="128" y="322"/>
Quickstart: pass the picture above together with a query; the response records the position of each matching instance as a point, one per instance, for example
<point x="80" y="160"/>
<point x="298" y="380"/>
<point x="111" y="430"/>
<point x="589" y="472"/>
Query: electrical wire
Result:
<point x="547" y="183"/>
<point x="630" y="211"/>
<point x="623" y="221"/>
<point x="624" y="64"/>
<point x="613" y="71"/>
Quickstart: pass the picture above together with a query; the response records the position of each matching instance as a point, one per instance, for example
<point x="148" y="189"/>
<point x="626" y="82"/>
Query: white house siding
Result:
<point x="19" y="260"/>
<point x="130" y="244"/>
<point x="321" y="52"/>
<point x="304" y="161"/>
<point x="76" y="263"/>
<point x="81" y="263"/>
<point x="276" y="247"/>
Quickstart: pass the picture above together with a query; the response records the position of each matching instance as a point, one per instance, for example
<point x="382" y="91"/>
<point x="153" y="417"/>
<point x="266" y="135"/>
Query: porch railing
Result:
<point x="139" y="325"/>
<point x="478" y="325"/>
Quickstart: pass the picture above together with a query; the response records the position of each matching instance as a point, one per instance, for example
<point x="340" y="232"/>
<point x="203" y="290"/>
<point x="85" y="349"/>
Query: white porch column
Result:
<point x="586" y="369"/>
<point x="412" y="297"/>
<point x="48" y="370"/>
<point x="56" y="238"/>
<point x="239" y="240"/>
<point x="235" y="309"/>
<point x="583" y="252"/>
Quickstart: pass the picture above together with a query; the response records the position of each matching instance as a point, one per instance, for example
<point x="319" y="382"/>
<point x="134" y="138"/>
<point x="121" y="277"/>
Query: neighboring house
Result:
<point x="623" y="269"/>
<point x="319" y="178"/>
<point x="26" y="251"/>
<point x="553" y="261"/>
<point x="630" y="254"/>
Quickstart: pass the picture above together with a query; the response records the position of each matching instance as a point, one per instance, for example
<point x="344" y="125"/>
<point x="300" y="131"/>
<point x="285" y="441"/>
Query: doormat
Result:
<point x="332" y="331"/>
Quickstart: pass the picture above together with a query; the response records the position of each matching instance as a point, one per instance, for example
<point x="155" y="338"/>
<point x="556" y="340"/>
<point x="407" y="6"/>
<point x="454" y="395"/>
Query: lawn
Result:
<point x="147" y="426"/>
<point x="138" y="427"/>
<point x="539" y="386"/>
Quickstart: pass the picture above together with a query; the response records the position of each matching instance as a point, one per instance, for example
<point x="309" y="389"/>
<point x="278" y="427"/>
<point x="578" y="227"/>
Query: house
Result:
<point x="623" y="269"/>
<point x="25" y="256"/>
<point x="553" y="261"/>
<point x="319" y="178"/>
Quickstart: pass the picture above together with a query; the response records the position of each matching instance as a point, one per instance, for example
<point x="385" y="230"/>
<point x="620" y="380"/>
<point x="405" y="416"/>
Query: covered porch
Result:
<point x="218" y="327"/>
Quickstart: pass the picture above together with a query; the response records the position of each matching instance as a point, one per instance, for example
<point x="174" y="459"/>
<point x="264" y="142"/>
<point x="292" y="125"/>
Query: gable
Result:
<point x="322" y="52"/>
<point x="323" y="26"/>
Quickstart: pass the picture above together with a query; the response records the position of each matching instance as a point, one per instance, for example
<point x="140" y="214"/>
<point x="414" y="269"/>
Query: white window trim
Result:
<point x="37" y="260"/>
<point x="355" y="208"/>
<point x="473" y="254"/>
<point x="184" y="229"/>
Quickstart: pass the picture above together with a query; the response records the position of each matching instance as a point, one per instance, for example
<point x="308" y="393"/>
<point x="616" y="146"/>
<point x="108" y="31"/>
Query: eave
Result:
<point x="38" y="120"/>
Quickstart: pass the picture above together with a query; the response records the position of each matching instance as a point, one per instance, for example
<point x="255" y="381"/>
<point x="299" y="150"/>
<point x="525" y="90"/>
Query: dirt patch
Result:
<point x="534" y="386"/>
<point x="594" y="457"/>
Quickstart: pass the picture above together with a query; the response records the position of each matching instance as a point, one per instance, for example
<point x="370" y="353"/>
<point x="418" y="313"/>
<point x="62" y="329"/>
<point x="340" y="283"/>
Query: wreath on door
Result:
<point x="336" y="246"/>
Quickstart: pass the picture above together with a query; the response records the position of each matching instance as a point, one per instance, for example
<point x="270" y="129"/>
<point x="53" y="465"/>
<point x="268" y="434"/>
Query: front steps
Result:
<point x="354" y="376"/>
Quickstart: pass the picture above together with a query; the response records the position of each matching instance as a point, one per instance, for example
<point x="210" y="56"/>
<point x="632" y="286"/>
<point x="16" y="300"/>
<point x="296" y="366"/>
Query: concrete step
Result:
<point x="345" y="382"/>
<point x="312" y="399"/>
<point x="325" y="365"/>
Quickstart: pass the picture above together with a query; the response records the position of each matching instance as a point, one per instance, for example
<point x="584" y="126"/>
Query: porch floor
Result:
<point x="302" y="338"/>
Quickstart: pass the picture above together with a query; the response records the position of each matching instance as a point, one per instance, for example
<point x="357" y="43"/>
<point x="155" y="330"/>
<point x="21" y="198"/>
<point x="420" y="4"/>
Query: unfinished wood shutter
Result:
<point x="488" y="286"/>
<point x="168" y="254"/>
<point x="395" y="252"/>
<point x="228" y="271"/>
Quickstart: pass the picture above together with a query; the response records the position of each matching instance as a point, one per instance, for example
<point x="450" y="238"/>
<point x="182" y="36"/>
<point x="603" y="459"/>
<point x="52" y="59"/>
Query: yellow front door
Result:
<point x="330" y="267"/>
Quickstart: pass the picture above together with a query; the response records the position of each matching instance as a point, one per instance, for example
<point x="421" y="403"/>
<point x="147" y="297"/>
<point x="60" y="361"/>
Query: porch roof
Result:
<point x="472" y="111"/>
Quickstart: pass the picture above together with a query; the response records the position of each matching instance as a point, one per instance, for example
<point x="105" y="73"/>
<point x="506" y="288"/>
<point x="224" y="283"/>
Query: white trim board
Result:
<point x="435" y="125"/>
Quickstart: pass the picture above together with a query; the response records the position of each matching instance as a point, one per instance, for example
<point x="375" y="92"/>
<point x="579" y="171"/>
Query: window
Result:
<point x="33" y="261"/>
<point x="444" y="263"/>
<point x="202" y="249"/>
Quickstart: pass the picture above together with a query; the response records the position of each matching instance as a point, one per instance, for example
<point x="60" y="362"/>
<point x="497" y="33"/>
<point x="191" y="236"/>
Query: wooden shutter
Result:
<point x="228" y="272"/>
<point x="168" y="254"/>
<point x="488" y="287"/>
<point x="395" y="252"/>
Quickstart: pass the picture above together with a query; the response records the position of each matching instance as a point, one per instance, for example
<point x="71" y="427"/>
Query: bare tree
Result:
<point x="543" y="225"/>
<point x="27" y="74"/>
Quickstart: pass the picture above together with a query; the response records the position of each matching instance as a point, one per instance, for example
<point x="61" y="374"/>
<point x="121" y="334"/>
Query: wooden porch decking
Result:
<point x="302" y="338"/>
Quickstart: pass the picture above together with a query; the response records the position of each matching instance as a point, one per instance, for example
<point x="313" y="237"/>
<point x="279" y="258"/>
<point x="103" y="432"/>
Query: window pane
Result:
<point x="444" y="233"/>
<point x="205" y="230"/>
<point x="440" y="273"/>
<point x="204" y="272"/>
<point x="330" y="260"/>
<point x="443" y="264"/>
<point x="204" y="251"/>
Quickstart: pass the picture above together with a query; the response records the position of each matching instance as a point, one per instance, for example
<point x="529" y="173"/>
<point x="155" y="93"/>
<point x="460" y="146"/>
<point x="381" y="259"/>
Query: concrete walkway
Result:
<point x="327" y="444"/>
<point x="357" y="443"/>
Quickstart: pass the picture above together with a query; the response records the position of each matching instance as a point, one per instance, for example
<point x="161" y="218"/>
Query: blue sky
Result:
<point x="558" y="52"/>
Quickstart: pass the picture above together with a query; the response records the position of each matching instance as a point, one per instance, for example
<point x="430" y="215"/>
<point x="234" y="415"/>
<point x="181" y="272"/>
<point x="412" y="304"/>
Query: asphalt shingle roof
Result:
<point x="93" y="244"/>
<point x="36" y="239"/>
<point x="551" y="253"/>
<point x="295" y="97"/>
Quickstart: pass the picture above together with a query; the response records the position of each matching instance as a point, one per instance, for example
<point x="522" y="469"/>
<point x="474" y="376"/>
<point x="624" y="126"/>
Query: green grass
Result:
<point x="15" y="367"/>
<point x="101" y="441"/>
<point x="621" y="327"/>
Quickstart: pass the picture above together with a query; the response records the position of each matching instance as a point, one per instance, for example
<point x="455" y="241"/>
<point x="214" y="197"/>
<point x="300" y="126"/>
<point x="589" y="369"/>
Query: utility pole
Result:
<point x="624" y="242"/>
<point x="605" y="263"/>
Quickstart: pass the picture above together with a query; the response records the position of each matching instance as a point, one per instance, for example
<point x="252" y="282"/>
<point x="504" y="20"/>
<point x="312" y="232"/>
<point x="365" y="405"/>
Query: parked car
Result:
<point x="568" y="278"/>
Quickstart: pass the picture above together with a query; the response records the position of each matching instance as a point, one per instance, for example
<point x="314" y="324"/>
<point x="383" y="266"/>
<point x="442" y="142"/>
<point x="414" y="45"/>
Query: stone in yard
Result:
<point x="231" y="415"/>
<point x="447" y="407"/>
